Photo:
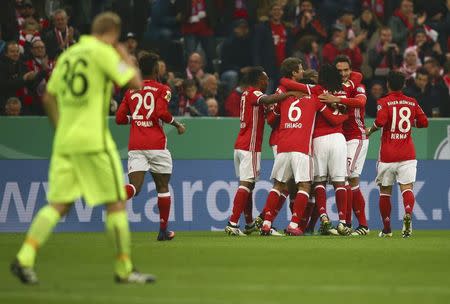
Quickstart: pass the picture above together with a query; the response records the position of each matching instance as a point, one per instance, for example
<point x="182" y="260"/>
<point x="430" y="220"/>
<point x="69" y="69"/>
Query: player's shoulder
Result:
<point x="254" y="92"/>
<point x="281" y="89"/>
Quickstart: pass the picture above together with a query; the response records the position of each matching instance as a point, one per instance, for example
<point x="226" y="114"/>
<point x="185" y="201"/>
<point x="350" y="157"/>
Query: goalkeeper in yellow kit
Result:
<point x="85" y="162"/>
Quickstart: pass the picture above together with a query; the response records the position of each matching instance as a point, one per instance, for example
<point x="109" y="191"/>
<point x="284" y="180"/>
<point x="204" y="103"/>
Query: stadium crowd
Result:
<point x="207" y="45"/>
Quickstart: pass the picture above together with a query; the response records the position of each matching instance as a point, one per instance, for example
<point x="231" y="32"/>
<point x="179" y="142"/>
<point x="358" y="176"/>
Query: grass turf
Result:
<point x="210" y="267"/>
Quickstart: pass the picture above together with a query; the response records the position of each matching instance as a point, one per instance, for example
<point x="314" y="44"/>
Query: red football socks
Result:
<point x="299" y="206"/>
<point x="248" y="210"/>
<point x="131" y="190"/>
<point x="408" y="200"/>
<point x="239" y="203"/>
<point x="359" y="206"/>
<point x="385" y="211"/>
<point x="341" y="202"/>
<point x="348" y="214"/>
<point x="321" y="199"/>
<point x="272" y="202"/>
<point x="305" y="218"/>
<point x="164" y="209"/>
<point x="281" y="201"/>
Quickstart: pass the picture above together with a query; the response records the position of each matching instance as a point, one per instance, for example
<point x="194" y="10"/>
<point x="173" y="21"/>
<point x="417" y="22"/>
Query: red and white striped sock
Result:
<point x="385" y="211"/>
<point x="341" y="203"/>
<point x="164" y="209"/>
<point x="408" y="200"/>
<point x="130" y="190"/>
<point x="240" y="200"/>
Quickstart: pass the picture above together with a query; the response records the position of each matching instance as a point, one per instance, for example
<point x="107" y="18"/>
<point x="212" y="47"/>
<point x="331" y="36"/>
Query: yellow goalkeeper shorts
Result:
<point x="97" y="177"/>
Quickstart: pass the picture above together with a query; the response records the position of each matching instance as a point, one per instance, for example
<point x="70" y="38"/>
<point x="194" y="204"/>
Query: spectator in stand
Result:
<point x="385" y="56"/>
<point x="367" y="23"/>
<point x="28" y="34"/>
<point x="411" y="63"/>
<point x="43" y="66"/>
<point x="163" y="74"/>
<point x="13" y="107"/>
<point x="236" y="54"/>
<point x="198" y="20"/>
<point x="213" y="107"/>
<point x="377" y="90"/>
<point x="239" y="9"/>
<point x="437" y="83"/>
<point x="194" y="69"/>
<point x="345" y="19"/>
<point x="308" y="51"/>
<point x="14" y="76"/>
<point x="271" y="45"/>
<point x="445" y="106"/>
<point x="307" y="23"/>
<point x="403" y="23"/>
<point x="61" y="36"/>
<point x="426" y="47"/>
<point x="377" y="7"/>
<point x="211" y="88"/>
<point x="233" y="101"/>
<point x="190" y="101"/>
<point x="131" y="44"/>
<point x="423" y="92"/>
<point x="164" y="21"/>
<point x="339" y="46"/>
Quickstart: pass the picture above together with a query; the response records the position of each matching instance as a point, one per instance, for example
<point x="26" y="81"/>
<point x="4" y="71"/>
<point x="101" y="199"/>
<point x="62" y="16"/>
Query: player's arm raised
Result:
<point x="136" y="81"/>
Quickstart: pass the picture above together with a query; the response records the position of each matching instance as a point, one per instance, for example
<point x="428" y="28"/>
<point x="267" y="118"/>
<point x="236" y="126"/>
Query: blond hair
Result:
<point x="106" y="22"/>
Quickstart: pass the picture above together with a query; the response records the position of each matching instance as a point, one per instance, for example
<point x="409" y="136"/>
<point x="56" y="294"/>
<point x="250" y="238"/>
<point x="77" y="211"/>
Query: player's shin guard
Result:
<point x="299" y="207"/>
<point x="164" y="209"/>
<point x="408" y="200"/>
<point x="321" y="199"/>
<point x="130" y="190"/>
<point x="248" y="210"/>
<point x="41" y="228"/>
<point x="385" y="211"/>
<point x="118" y="231"/>
<point x="359" y="206"/>
<point x="308" y="212"/>
<point x="348" y="214"/>
<point x="271" y="204"/>
<point x="240" y="200"/>
<point x="341" y="202"/>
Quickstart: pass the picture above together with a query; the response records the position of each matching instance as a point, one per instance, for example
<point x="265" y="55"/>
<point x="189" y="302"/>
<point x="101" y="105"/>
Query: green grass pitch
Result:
<point x="210" y="267"/>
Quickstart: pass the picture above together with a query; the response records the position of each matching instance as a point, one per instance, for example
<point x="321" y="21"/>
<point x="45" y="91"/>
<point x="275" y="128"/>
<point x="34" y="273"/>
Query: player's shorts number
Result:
<point x="143" y="100"/>
<point x="405" y="114"/>
<point x="75" y="79"/>
<point x="294" y="112"/>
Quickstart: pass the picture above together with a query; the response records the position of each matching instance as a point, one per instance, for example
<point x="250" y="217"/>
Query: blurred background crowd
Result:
<point x="207" y="45"/>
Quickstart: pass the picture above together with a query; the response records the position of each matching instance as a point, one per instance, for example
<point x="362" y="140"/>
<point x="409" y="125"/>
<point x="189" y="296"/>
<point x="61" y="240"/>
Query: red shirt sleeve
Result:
<point x="356" y="77"/>
<point x="122" y="117"/>
<point x="382" y="114"/>
<point x="294" y="85"/>
<point x="421" y="118"/>
<point x="273" y="116"/>
<point x="162" y="110"/>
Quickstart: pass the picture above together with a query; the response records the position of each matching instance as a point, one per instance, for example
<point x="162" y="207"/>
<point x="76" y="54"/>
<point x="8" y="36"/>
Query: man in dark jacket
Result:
<point x="236" y="54"/>
<point x="422" y="91"/>
<point x="271" y="45"/>
<point x="61" y="36"/>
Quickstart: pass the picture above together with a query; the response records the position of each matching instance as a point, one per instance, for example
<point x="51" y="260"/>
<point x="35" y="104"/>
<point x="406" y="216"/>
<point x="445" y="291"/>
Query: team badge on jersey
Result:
<point x="379" y="107"/>
<point x="360" y="90"/>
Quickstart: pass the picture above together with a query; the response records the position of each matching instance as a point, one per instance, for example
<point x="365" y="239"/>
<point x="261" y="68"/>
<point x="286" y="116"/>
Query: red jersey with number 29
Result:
<point x="252" y="121"/>
<point x="298" y="117"/>
<point x="397" y="114"/>
<point x="149" y="109"/>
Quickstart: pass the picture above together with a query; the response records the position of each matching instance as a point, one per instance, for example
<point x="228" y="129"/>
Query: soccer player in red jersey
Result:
<point x="247" y="149"/>
<point x="291" y="68"/>
<point x="397" y="114"/>
<point x="357" y="143"/>
<point x="294" y="158"/>
<point x="330" y="149"/>
<point x="147" y="147"/>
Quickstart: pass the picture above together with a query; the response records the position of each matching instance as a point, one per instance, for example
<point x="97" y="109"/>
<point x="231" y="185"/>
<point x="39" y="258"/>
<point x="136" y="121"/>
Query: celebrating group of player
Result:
<point x="318" y="135"/>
